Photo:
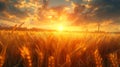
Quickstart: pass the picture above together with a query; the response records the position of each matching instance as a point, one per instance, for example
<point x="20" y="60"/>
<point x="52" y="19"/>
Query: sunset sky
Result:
<point x="106" y="12"/>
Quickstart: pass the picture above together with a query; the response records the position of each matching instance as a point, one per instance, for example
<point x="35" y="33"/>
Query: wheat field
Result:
<point x="59" y="49"/>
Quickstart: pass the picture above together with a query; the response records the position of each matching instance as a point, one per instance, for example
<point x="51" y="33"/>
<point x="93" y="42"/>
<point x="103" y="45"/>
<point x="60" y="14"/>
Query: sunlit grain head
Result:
<point x="24" y="51"/>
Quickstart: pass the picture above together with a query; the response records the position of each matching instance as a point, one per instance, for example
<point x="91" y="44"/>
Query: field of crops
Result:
<point x="59" y="49"/>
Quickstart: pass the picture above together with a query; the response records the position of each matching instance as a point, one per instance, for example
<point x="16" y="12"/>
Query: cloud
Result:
<point x="2" y="6"/>
<point x="9" y="11"/>
<point x="107" y="9"/>
<point x="101" y="10"/>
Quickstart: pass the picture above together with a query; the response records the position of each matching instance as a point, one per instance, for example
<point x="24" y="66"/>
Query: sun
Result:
<point x="60" y="28"/>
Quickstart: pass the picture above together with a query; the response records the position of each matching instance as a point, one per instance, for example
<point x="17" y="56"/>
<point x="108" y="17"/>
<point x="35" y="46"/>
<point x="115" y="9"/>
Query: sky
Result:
<point x="106" y="12"/>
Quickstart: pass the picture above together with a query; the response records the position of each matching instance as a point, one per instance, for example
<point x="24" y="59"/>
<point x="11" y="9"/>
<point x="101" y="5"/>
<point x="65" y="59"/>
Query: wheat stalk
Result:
<point x="114" y="60"/>
<point x="40" y="57"/>
<point x="25" y="53"/>
<point x="98" y="59"/>
<point x="68" y="60"/>
<point x="2" y="54"/>
<point x="51" y="61"/>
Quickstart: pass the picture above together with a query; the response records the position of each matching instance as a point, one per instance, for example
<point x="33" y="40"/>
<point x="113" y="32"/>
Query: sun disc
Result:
<point x="60" y="28"/>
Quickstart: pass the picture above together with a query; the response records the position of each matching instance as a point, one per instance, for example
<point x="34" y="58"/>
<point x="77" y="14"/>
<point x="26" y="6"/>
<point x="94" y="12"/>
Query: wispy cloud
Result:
<point x="102" y="9"/>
